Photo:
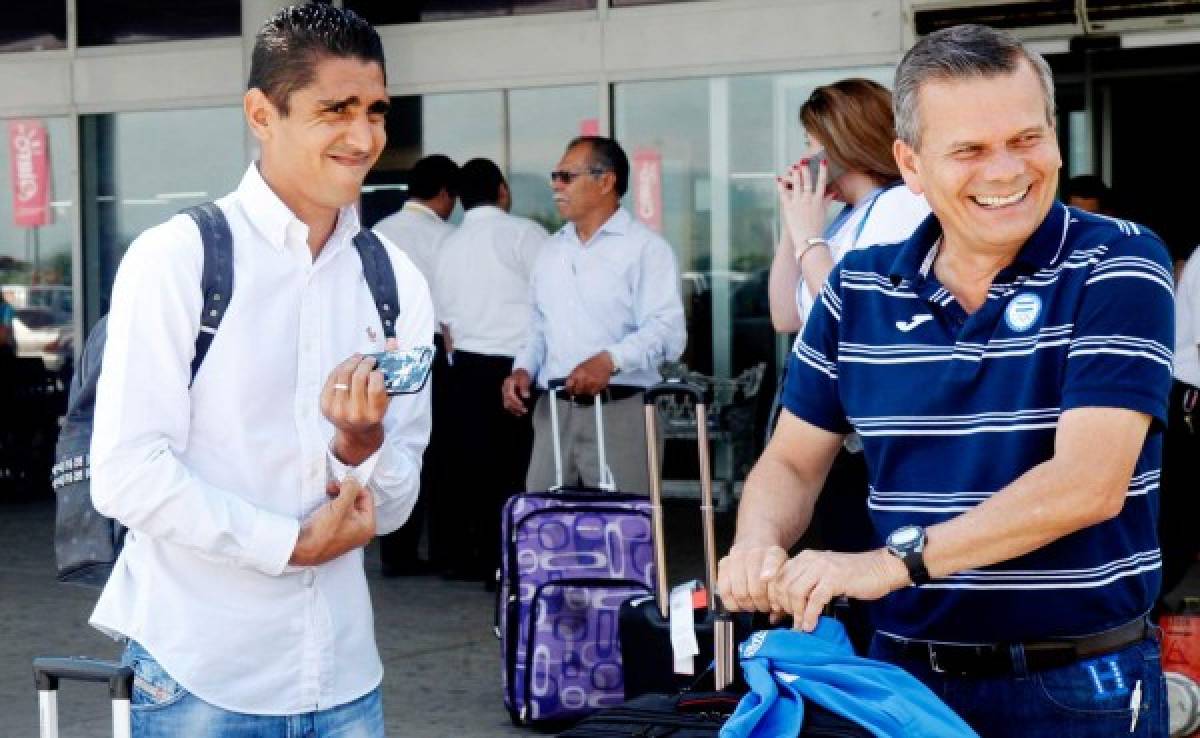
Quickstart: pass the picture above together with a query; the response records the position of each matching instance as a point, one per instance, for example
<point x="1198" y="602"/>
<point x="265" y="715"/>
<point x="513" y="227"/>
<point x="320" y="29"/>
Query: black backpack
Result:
<point x="86" y="543"/>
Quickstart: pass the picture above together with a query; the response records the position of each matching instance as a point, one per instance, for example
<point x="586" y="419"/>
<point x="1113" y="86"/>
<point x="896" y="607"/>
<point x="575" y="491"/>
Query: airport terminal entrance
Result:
<point x="1126" y="116"/>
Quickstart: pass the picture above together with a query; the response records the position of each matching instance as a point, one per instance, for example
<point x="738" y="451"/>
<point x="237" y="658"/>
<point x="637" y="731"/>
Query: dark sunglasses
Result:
<point x="566" y="176"/>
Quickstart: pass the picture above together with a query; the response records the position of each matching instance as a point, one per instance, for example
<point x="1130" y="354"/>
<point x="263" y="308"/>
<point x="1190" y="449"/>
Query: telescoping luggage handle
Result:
<point x="607" y="482"/>
<point x="723" y="646"/>
<point x="48" y="671"/>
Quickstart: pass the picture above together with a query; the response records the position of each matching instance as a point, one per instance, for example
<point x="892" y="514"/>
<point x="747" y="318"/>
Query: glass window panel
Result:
<point x="541" y="122"/>
<point x="35" y="242"/>
<point x="795" y="89"/>
<point x="382" y="12"/>
<point x="719" y="143"/>
<point x="667" y="122"/>
<point x="103" y="22"/>
<point x="34" y="26"/>
<point x="461" y="125"/>
<point x="139" y="169"/>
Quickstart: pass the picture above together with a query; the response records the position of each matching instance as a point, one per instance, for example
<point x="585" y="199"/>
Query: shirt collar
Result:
<point x="413" y="206"/>
<point x="1042" y="249"/>
<point x="272" y="218"/>
<point x="481" y="211"/>
<point x="617" y="224"/>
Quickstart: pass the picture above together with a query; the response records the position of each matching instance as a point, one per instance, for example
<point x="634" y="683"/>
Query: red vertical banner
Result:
<point x="27" y="149"/>
<point x="647" y="188"/>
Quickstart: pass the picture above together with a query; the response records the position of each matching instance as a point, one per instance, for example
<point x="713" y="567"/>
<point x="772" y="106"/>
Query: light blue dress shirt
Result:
<point x="618" y="292"/>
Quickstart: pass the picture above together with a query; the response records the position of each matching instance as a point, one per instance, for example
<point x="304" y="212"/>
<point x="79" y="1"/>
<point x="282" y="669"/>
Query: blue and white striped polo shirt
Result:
<point x="953" y="407"/>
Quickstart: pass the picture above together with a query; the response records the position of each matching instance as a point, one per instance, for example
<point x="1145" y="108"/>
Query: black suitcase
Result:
<point x="646" y="644"/>
<point x="696" y="715"/>
<point x="644" y="626"/>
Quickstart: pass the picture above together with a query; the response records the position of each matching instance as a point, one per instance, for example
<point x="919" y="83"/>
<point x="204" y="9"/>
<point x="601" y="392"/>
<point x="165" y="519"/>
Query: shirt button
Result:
<point x="309" y="577"/>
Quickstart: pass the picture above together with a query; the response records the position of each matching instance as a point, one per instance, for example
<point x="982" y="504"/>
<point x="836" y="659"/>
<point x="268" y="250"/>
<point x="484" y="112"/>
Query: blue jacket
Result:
<point x="785" y="667"/>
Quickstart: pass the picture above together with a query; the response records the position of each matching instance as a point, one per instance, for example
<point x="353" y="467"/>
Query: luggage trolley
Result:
<point x="47" y="672"/>
<point x="730" y="424"/>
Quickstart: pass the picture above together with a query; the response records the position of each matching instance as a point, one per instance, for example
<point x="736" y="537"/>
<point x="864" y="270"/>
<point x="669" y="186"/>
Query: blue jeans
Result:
<point x="1086" y="699"/>
<point x="160" y="708"/>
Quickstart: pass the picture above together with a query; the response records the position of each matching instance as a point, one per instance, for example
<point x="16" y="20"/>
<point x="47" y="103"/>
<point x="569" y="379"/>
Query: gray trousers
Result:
<point x="625" y="444"/>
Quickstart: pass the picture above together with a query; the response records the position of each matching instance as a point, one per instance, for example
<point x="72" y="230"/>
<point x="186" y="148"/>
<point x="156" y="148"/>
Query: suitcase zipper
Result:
<point x="566" y="511"/>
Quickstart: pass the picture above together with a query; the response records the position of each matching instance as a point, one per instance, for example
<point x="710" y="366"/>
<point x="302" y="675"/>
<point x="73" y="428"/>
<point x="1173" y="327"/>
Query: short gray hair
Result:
<point x="956" y="53"/>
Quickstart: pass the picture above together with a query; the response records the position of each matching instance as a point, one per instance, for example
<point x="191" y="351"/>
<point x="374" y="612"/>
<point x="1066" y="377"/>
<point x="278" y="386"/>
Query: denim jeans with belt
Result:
<point x="161" y="708"/>
<point x="1090" y="698"/>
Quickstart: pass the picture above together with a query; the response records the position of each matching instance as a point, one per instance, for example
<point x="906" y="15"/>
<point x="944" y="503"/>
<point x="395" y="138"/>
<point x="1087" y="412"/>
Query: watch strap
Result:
<point x="914" y="561"/>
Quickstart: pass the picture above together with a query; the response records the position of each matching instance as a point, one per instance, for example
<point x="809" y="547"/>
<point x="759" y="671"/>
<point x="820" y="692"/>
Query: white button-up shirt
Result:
<point x="890" y="217"/>
<point x="618" y="292"/>
<point x="1187" y="323"/>
<point x="482" y="285"/>
<point x="418" y="232"/>
<point x="214" y="481"/>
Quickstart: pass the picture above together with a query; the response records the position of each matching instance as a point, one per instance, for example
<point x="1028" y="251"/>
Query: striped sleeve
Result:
<point x="810" y="391"/>
<point x="1120" y="353"/>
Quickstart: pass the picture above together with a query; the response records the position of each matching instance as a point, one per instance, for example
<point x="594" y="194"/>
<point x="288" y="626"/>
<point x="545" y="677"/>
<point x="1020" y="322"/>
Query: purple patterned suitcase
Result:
<point x="571" y="557"/>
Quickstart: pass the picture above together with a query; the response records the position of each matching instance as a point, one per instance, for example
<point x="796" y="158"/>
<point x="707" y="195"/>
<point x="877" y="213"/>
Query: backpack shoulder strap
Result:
<point x="381" y="280"/>
<point x="217" y="282"/>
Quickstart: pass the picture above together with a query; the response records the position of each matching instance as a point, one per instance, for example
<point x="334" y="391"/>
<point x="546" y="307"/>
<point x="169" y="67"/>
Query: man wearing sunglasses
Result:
<point x="606" y="315"/>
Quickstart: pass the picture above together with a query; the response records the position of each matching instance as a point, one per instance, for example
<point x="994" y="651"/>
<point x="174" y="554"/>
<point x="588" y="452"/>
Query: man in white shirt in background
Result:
<point x="419" y="226"/>
<point x="1181" y="441"/>
<point x="606" y="315"/>
<point x="482" y="292"/>
<point x="250" y="493"/>
<point x="418" y="229"/>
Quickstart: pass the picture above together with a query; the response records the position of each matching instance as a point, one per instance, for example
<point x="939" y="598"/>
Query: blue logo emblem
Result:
<point x="1023" y="312"/>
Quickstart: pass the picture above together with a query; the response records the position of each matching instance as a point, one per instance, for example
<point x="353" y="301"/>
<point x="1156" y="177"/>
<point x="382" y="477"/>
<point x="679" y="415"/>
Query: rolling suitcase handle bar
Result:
<point x="607" y="483"/>
<point x="48" y="671"/>
<point x="723" y="650"/>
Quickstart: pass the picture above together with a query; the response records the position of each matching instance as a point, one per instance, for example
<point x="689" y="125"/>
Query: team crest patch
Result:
<point x="1023" y="312"/>
<point x="753" y="644"/>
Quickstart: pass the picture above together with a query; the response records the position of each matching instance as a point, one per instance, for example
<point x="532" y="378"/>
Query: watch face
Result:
<point x="905" y="536"/>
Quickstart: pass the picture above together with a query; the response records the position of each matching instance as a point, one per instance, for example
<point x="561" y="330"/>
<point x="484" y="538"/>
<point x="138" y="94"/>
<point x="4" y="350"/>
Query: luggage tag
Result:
<point x="684" y="645"/>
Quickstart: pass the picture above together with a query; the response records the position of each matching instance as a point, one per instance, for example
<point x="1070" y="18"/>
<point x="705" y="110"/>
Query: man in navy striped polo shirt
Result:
<point x="1007" y="368"/>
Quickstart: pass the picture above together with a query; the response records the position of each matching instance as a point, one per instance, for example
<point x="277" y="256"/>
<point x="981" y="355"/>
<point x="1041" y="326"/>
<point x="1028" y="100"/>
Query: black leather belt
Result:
<point x="997" y="659"/>
<point x="612" y="393"/>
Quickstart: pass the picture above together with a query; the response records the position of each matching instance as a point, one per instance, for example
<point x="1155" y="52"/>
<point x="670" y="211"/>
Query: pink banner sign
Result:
<point x="27" y="148"/>
<point x="647" y="188"/>
<point x="589" y="127"/>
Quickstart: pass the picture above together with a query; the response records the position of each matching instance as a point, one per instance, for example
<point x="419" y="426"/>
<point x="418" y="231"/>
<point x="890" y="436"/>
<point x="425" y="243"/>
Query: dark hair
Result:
<point x="853" y="120"/>
<point x="479" y="183"/>
<point x="608" y="155"/>
<point x="961" y="52"/>
<point x="1090" y="186"/>
<point x="291" y="42"/>
<point x="431" y="175"/>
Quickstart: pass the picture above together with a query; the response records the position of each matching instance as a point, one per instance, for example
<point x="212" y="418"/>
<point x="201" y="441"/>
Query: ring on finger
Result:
<point x="340" y="386"/>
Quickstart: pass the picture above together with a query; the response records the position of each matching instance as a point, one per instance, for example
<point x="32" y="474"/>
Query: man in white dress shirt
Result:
<point x="250" y="494"/>
<point x="606" y="315"/>
<point x="482" y="295"/>
<point x="418" y="229"/>
<point x="1181" y="440"/>
<point x="419" y="226"/>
